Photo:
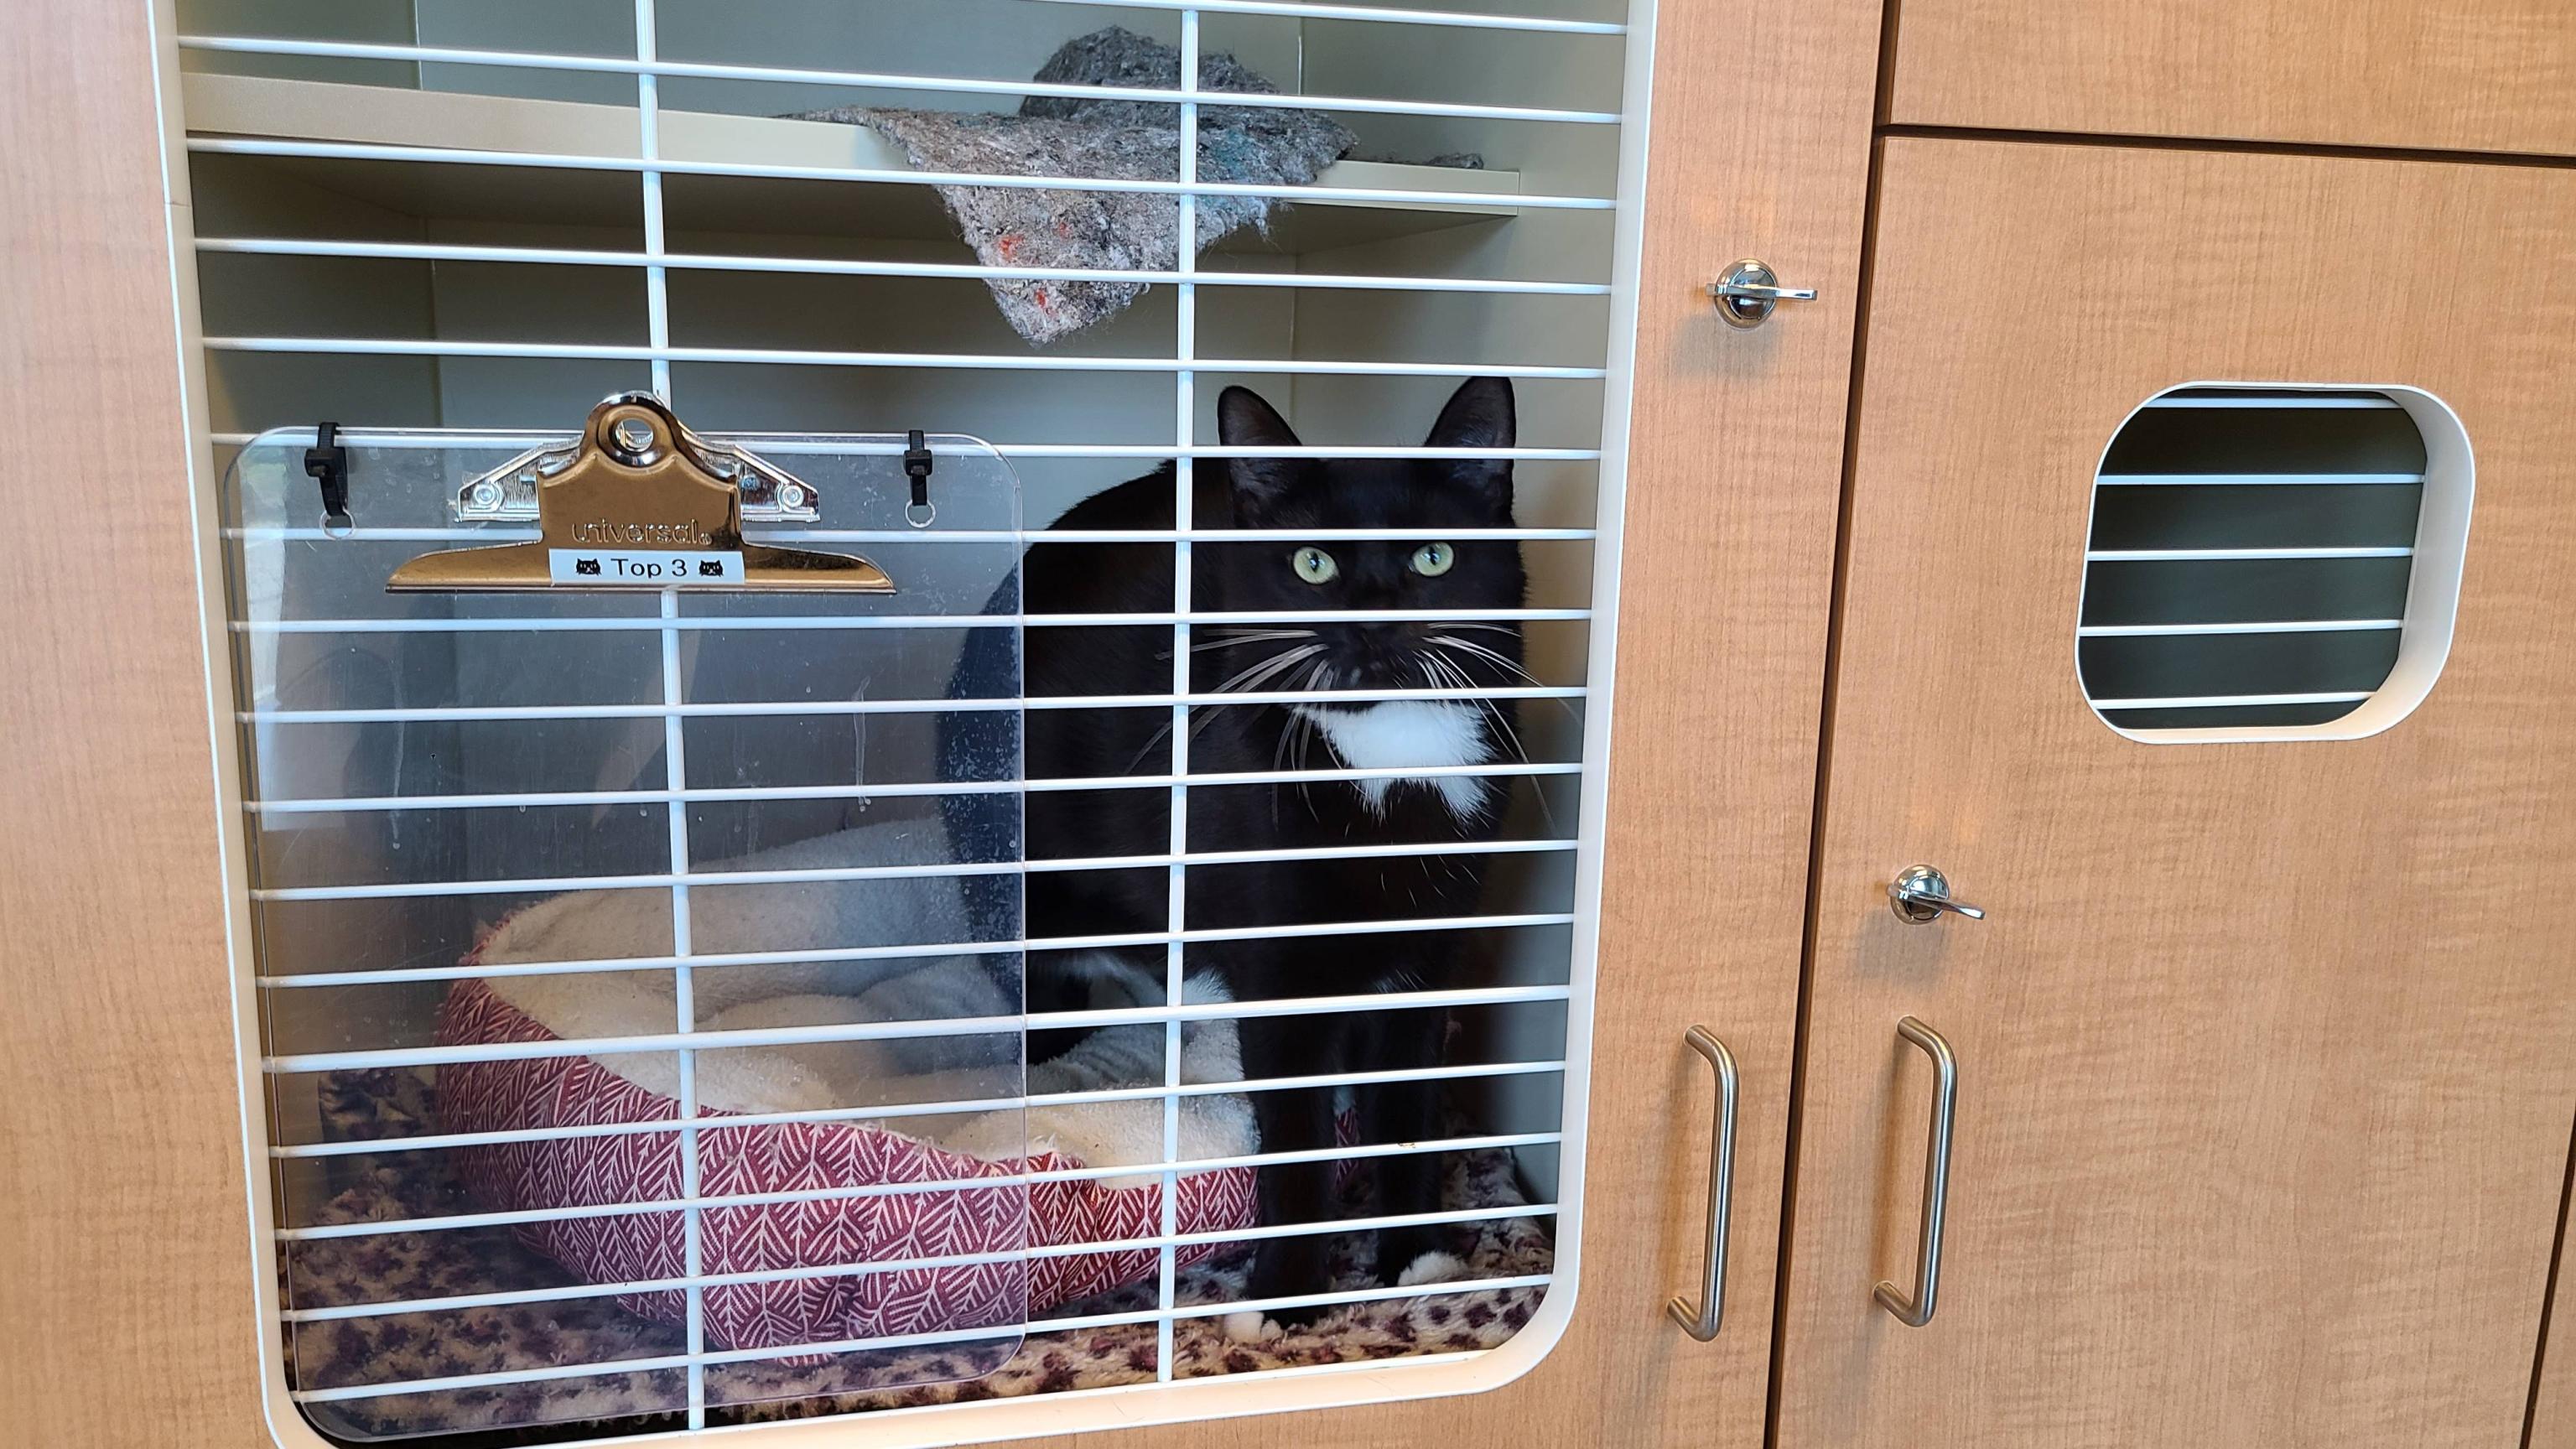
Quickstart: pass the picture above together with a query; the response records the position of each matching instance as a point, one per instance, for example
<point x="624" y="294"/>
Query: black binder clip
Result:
<point x="916" y="466"/>
<point x="328" y="461"/>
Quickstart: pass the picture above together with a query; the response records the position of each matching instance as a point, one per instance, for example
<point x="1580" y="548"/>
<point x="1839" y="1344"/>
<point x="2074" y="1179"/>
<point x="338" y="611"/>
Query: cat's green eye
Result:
<point x="1433" y="559"/>
<point x="1314" y="565"/>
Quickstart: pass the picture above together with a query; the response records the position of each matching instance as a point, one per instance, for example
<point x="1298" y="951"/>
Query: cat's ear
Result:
<point x="1480" y="414"/>
<point x="1245" y="420"/>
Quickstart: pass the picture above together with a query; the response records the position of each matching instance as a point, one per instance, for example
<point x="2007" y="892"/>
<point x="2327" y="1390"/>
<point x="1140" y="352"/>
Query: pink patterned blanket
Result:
<point x="784" y="1158"/>
<point x="389" y="1105"/>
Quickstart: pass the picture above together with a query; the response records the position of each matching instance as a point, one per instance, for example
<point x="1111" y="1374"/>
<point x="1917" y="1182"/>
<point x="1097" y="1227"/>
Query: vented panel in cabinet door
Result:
<point x="2273" y="562"/>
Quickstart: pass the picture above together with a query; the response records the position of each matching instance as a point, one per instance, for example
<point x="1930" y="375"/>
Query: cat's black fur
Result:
<point x="1085" y="577"/>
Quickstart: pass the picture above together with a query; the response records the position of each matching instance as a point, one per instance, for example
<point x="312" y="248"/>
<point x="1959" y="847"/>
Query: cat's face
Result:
<point x="1325" y="574"/>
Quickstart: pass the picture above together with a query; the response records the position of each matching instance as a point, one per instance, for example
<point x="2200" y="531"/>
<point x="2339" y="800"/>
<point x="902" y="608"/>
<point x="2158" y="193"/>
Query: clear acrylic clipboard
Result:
<point x="603" y="791"/>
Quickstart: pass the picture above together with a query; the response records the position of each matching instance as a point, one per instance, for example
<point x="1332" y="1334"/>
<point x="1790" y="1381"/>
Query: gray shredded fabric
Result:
<point x="1119" y="140"/>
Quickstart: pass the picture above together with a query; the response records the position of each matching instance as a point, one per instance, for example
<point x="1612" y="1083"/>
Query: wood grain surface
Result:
<point x="2265" y="1088"/>
<point x="124" y="1245"/>
<point x="2458" y="75"/>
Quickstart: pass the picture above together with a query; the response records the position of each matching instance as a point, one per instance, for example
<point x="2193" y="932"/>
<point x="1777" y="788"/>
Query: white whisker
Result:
<point x="1479" y="651"/>
<point x="1322" y="678"/>
<point x="1546" y="816"/>
<point x="1262" y="637"/>
<point x="1491" y="710"/>
<point x="1206" y="717"/>
<point x="1253" y="676"/>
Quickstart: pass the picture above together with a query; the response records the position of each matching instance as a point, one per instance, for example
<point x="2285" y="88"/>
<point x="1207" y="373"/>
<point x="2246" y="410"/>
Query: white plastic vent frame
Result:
<point x="2433" y="582"/>
<point x="1184" y="1400"/>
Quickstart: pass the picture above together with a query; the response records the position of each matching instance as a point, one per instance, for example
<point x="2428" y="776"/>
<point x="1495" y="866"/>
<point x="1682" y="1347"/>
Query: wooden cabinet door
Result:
<point x="2451" y="75"/>
<point x="2264" y="1079"/>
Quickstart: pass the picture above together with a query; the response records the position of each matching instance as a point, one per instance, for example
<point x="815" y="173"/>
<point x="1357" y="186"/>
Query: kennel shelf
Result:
<point x="261" y="108"/>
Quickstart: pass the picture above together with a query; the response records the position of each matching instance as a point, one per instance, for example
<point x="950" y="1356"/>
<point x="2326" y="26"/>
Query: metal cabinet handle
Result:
<point x="1921" y="893"/>
<point x="1917" y="1311"/>
<point x="1746" y="295"/>
<point x="1701" y="1322"/>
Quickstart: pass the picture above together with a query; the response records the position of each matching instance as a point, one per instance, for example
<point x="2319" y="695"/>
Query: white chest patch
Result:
<point x="1401" y="733"/>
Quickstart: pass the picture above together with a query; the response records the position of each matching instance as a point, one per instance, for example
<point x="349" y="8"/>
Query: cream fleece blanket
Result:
<point x="792" y="916"/>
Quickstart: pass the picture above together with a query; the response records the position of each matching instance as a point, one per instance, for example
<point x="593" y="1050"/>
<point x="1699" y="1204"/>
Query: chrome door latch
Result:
<point x="1920" y="894"/>
<point x="1749" y="291"/>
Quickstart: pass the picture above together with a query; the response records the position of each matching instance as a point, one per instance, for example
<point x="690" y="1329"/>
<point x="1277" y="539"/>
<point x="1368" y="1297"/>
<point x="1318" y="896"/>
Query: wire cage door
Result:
<point x="511" y="210"/>
<point x="653" y="933"/>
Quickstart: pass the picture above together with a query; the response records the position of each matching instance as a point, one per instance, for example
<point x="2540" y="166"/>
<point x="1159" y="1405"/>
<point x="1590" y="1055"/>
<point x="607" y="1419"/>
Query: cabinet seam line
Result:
<point x="1780" y="1300"/>
<point x="2226" y="145"/>
<point x="2549" y="1294"/>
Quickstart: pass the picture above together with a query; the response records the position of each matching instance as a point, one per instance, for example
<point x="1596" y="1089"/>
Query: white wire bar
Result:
<point x="284" y="534"/>
<point x="2285" y="626"/>
<point x="657" y="317"/>
<point x="521" y="800"/>
<point x="2226" y="701"/>
<point x="1184" y="495"/>
<point x="831" y="267"/>
<point x="682" y="879"/>
<point x="2188" y="555"/>
<point x="2294" y="402"/>
<point x="2250" y="480"/>
<point x="605" y="1368"/>
<point x="614" y="622"/>
<point x="453" y="1222"/>
<point x="1294" y="1371"/>
<point x="614" y="1367"/>
<point x="872" y="953"/>
<point x="575" y="161"/>
<point x="895" y="1112"/>
<point x="879" y="80"/>
<point x="399" y="975"/>
<point x="571" y="1292"/>
<point x="1299" y="9"/>
<point x="957" y="361"/>
<point x="785" y="444"/>
<point x="413" y="714"/>
<point x="556" y="1048"/>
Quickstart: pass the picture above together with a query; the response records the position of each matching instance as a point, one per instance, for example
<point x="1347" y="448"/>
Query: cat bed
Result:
<point x="388" y="1105"/>
<point x="801" y="1156"/>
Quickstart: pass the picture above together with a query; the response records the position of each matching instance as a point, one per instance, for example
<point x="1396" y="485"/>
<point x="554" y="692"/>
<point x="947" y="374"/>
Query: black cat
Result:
<point x="1290" y="494"/>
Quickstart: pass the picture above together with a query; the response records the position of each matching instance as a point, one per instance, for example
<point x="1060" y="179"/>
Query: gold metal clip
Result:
<point x="644" y="503"/>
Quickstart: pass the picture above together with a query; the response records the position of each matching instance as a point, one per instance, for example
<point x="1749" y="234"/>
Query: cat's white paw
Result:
<point x="1432" y="1267"/>
<point x="1249" y="1326"/>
